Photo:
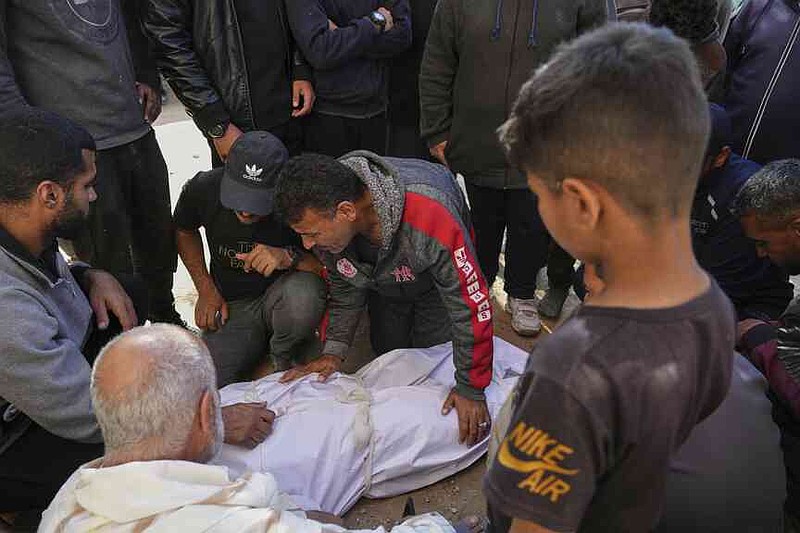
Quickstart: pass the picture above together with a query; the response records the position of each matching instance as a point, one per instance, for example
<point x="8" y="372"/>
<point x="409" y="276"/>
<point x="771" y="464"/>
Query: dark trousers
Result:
<point x="282" y="321"/>
<point x="35" y="466"/>
<point x="528" y="245"/>
<point x="33" y="469"/>
<point x="290" y="133"/>
<point x="335" y="136"/>
<point x="397" y="323"/>
<point x="130" y="225"/>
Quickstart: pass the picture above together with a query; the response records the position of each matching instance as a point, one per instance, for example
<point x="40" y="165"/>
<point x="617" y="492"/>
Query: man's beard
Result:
<point x="70" y="222"/>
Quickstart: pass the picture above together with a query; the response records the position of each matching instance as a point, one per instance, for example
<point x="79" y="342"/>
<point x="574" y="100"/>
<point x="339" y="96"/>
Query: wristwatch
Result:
<point x="377" y="18"/>
<point x="217" y="131"/>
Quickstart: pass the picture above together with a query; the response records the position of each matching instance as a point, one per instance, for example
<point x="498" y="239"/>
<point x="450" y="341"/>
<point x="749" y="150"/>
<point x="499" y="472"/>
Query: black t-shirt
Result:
<point x="604" y="402"/>
<point x="263" y="30"/>
<point x="199" y="207"/>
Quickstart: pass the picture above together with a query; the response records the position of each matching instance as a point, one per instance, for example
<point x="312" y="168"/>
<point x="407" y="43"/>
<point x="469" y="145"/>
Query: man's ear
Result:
<point x="583" y="201"/>
<point x="207" y="413"/>
<point x="49" y="194"/>
<point x="347" y="210"/>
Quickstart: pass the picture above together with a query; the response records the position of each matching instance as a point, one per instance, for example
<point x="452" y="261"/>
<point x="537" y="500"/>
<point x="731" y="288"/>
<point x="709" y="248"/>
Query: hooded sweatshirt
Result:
<point x="46" y="320"/>
<point x="761" y="93"/>
<point x="158" y="496"/>
<point x="478" y="55"/>
<point x="426" y="242"/>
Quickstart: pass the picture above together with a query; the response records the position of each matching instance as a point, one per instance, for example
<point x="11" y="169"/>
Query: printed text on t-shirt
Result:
<point x="542" y="463"/>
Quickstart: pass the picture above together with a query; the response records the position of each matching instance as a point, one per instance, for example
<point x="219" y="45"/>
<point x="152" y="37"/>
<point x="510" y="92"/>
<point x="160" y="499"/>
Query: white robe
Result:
<point x="166" y="496"/>
<point x="377" y="433"/>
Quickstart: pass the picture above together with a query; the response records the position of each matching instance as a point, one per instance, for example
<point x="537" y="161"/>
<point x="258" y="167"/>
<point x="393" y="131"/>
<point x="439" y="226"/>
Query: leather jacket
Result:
<point x="198" y="46"/>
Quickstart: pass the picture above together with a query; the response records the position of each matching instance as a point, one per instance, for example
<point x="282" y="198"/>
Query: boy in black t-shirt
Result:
<point x="251" y="302"/>
<point x="612" y="133"/>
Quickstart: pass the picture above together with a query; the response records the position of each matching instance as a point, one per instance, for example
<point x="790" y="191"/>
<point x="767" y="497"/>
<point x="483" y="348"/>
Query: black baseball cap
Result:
<point x="251" y="170"/>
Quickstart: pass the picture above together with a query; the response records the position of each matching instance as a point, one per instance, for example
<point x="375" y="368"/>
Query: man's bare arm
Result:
<point x="190" y="250"/>
<point x="211" y="311"/>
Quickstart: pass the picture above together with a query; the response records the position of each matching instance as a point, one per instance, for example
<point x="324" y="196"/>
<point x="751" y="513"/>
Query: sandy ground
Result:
<point x="187" y="153"/>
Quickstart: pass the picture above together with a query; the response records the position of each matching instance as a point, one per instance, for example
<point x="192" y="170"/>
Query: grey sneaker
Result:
<point x="524" y="317"/>
<point x="553" y="302"/>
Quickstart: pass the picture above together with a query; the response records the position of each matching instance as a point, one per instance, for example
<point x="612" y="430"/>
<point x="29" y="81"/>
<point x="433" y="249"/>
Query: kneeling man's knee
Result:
<point x="304" y="296"/>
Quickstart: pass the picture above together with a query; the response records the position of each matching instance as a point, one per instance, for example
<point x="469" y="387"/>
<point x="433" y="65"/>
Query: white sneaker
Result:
<point x="524" y="316"/>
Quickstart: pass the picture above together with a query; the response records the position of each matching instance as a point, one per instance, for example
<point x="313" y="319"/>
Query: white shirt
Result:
<point x="159" y="496"/>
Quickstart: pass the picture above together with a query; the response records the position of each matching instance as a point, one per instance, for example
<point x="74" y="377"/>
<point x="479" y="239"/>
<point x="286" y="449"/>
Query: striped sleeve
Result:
<point x="447" y="247"/>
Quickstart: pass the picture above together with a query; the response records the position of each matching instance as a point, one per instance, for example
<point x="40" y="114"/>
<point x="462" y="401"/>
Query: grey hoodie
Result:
<point x="43" y="374"/>
<point x="426" y="242"/>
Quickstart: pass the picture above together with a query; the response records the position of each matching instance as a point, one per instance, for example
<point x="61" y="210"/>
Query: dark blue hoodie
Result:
<point x="351" y="72"/>
<point x="762" y="93"/>
<point x="757" y="288"/>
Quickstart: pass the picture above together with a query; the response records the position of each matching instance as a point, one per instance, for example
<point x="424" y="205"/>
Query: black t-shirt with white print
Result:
<point x="603" y="404"/>
<point x="199" y="206"/>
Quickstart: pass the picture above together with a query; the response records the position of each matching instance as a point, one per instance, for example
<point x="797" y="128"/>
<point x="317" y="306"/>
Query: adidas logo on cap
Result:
<point x="252" y="173"/>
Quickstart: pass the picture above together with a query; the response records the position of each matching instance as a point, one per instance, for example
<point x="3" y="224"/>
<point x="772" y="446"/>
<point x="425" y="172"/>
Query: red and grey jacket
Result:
<point x="775" y="350"/>
<point x="426" y="241"/>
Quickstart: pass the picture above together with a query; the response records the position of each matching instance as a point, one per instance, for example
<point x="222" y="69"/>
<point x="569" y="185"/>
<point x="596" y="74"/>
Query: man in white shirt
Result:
<point x="154" y="394"/>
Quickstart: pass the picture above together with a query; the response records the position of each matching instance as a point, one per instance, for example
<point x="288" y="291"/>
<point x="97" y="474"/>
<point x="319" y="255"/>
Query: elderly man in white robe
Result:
<point x="154" y="395"/>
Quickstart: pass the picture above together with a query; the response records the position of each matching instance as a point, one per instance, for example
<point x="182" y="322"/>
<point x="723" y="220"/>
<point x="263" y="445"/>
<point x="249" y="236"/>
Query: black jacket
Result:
<point x="351" y="73"/>
<point x="199" y="50"/>
<point x="478" y="55"/>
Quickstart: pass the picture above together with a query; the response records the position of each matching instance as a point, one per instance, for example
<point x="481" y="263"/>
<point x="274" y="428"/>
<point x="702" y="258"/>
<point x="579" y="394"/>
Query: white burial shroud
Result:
<point x="377" y="433"/>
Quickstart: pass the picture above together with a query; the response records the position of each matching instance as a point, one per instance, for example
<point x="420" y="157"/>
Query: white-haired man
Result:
<point x="154" y="393"/>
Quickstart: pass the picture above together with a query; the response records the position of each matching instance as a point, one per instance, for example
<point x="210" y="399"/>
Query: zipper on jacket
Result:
<point x="289" y="51"/>
<point x="762" y="107"/>
<point x="507" y="103"/>
<point x="244" y="64"/>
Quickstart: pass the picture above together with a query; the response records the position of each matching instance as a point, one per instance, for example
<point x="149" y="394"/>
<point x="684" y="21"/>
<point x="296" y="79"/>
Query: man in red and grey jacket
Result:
<point x="395" y="237"/>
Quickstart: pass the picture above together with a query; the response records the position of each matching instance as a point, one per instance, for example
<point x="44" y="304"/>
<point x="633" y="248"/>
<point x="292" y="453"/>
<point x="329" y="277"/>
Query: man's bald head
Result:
<point x="147" y="388"/>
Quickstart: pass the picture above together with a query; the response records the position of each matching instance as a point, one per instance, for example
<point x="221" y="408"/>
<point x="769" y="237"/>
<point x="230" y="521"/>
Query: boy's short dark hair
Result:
<point x="622" y="106"/>
<point x="772" y="194"/>
<point x="313" y="181"/>
<point x="37" y="146"/>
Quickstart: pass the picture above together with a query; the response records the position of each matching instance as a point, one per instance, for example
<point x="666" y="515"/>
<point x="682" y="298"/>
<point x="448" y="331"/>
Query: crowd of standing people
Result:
<point x="390" y="159"/>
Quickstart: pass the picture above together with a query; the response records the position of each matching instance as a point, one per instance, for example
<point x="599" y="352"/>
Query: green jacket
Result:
<point x="478" y="55"/>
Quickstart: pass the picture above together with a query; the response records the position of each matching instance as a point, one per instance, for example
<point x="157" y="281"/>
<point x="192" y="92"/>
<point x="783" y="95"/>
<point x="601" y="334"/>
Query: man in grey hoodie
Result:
<point x="54" y="317"/>
<point x="478" y="55"/>
<point x="47" y="171"/>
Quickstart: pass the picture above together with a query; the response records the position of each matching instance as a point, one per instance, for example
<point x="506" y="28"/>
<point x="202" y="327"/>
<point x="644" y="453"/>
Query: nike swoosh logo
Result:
<point x="508" y="460"/>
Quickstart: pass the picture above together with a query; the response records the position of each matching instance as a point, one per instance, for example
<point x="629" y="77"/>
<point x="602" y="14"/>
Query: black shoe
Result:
<point x="553" y="302"/>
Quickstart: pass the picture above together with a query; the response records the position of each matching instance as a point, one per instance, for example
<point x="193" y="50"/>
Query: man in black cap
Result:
<point x="262" y="287"/>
